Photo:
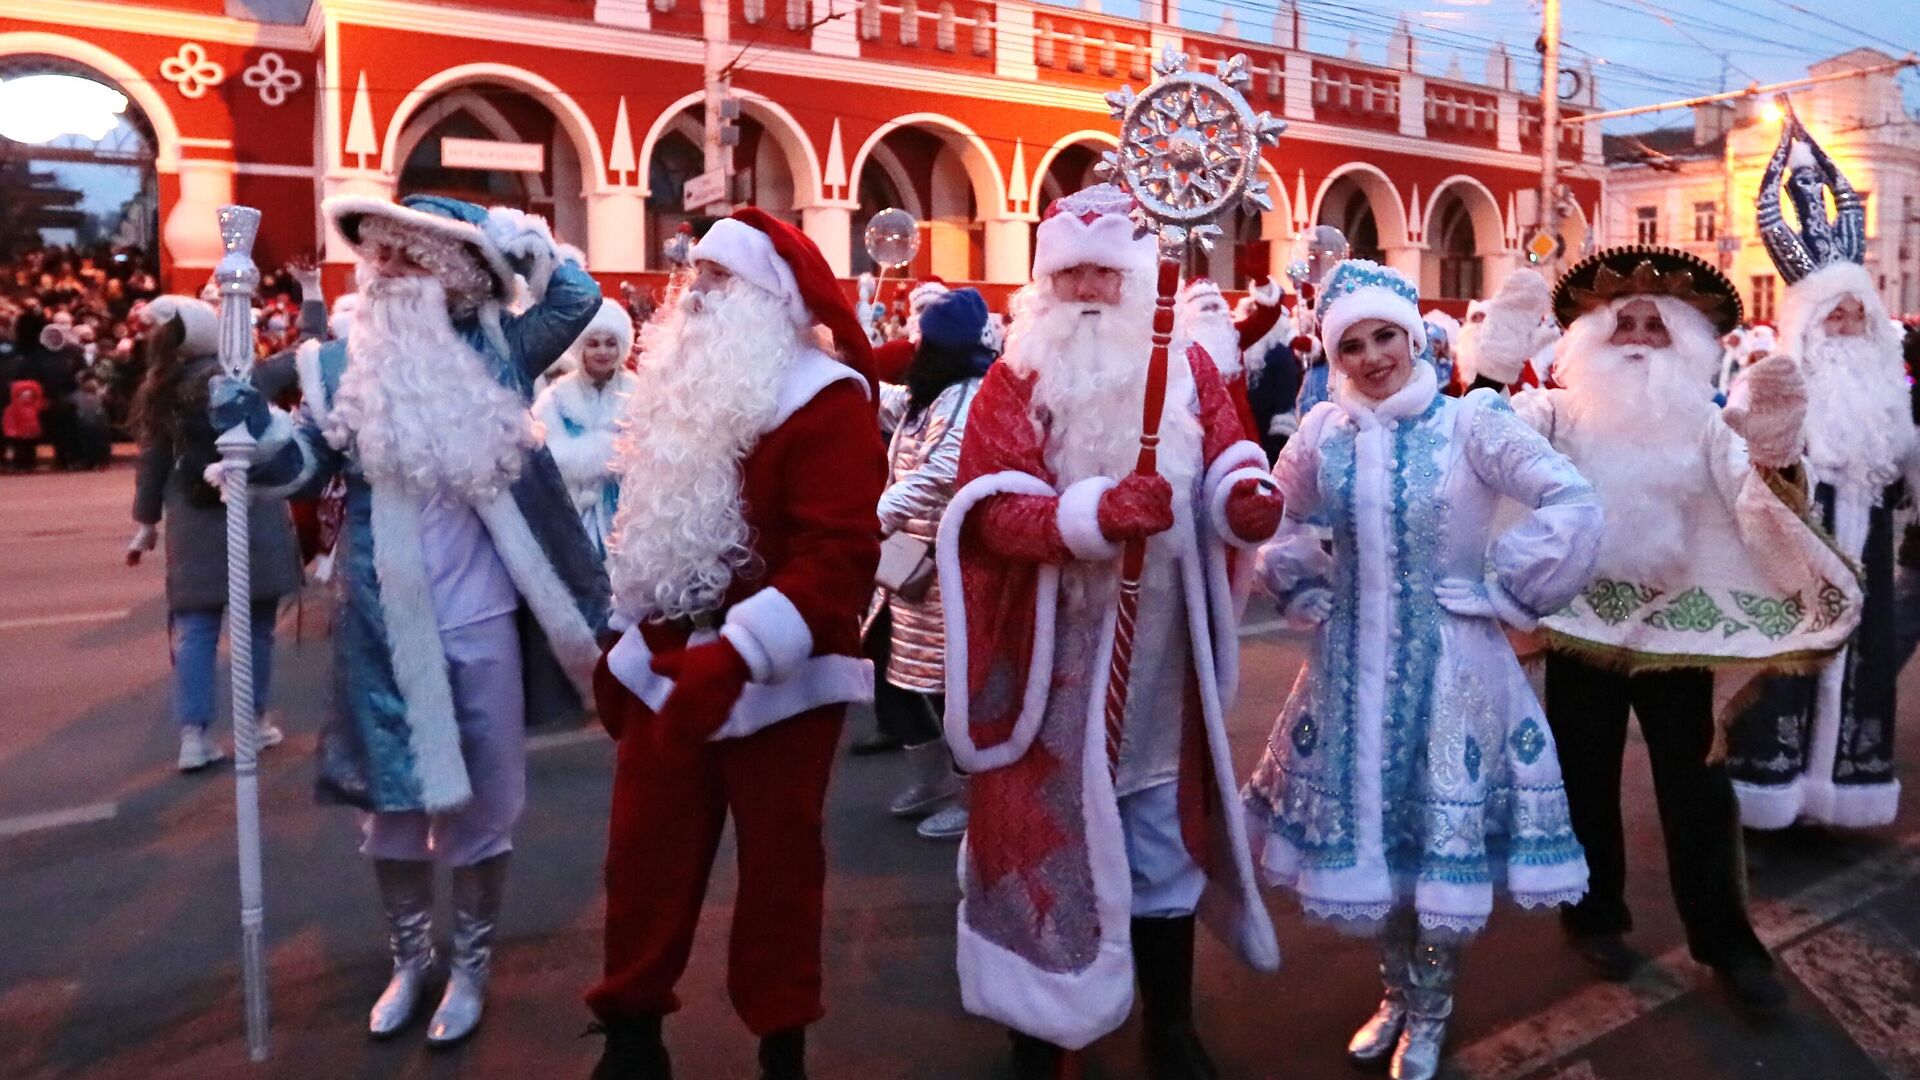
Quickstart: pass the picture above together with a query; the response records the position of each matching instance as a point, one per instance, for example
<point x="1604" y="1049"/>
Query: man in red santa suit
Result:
<point x="743" y="554"/>
<point x="1077" y="877"/>
<point x="1202" y="318"/>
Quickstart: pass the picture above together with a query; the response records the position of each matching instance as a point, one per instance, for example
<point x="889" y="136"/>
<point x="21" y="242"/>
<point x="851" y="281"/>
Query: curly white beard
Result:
<point x="1216" y="334"/>
<point x="708" y="387"/>
<point x="1638" y="435"/>
<point x="419" y="406"/>
<point x="1859" y="419"/>
<point x="1091" y="363"/>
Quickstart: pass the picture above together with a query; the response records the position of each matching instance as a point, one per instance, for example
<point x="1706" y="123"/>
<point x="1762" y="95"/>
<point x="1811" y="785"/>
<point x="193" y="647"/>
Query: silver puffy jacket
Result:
<point x="924" y="458"/>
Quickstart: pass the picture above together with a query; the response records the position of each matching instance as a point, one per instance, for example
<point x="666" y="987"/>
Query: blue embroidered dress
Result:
<point x="1412" y="764"/>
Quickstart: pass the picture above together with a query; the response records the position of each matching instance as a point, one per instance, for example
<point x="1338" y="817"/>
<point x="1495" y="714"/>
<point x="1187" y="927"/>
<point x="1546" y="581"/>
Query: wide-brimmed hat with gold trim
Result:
<point x="1645" y="270"/>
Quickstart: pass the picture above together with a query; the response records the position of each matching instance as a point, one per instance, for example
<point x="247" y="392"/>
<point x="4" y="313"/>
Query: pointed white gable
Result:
<point x="836" y="168"/>
<point x="621" y="158"/>
<point x="360" y="137"/>
<point x="1017" y="190"/>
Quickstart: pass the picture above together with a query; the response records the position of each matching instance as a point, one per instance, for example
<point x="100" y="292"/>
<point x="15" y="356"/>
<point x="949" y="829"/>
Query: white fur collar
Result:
<point x="810" y="372"/>
<point x="580" y="402"/>
<point x="1410" y="400"/>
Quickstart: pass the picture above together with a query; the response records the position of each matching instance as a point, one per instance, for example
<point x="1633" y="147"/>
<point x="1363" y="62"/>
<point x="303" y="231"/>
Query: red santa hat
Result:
<point x="773" y="255"/>
<point x="926" y="293"/>
<point x="1092" y="227"/>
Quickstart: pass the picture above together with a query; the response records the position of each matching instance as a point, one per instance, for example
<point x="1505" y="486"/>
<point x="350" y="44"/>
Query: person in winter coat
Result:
<point x="176" y="447"/>
<point x="577" y="411"/>
<point x="21" y="422"/>
<point x="929" y="419"/>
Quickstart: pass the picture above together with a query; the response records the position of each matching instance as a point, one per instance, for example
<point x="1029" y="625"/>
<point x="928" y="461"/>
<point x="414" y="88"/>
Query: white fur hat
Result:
<point x="611" y="318"/>
<point x="1092" y="227"/>
<point x="201" y="321"/>
<point x="926" y="293"/>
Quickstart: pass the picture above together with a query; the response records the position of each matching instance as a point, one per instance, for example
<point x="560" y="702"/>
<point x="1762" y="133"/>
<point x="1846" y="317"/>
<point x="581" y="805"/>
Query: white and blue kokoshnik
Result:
<point x="1412" y="763"/>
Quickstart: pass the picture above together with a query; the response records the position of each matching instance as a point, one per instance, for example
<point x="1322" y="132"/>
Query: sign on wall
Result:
<point x="493" y="156"/>
<point x="704" y="190"/>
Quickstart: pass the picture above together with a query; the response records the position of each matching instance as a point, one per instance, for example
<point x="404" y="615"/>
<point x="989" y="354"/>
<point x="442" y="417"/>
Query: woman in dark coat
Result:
<point x="176" y="447"/>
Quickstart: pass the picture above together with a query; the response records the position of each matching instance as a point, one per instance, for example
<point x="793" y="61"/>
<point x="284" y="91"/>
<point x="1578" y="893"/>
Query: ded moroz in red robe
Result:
<point x="1044" y="922"/>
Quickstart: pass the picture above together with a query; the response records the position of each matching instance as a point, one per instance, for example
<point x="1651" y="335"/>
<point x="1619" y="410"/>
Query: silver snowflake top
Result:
<point x="1189" y="148"/>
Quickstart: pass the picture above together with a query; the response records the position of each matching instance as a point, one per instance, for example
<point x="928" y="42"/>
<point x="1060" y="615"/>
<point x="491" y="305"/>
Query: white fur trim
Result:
<point x="1848" y="806"/>
<point x="1069" y="1009"/>
<point x="748" y="254"/>
<point x="771" y="634"/>
<point x="810" y="372"/>
<point x="517" y="234"/>
<point x="309" y="465"/>
<point x="1064" y="241"/>
<point x="546" y="595"/>
<point x="612" y="316"/>
<point x="278" y="434"/>
<point x="1810" y="299"/>
<point x="313" y="385"/>
<point x="819" y="681"/>
<point x="200" y="319"/>
<point x="966" y="754"/>
<point x="418" y="657"/>
<point x="1370" y="302"/>
<point x="1243" y="460"/>
<point x="1410" y="400"/>
<point x="1079" y="519"/>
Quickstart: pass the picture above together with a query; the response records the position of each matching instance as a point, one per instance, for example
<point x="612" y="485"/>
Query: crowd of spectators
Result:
<point x="70" y="362"/>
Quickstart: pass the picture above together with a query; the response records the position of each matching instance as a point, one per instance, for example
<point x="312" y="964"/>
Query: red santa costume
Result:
<point x="744" y="551"/>
<point x="1202" y="318"/>
<point x="1061" y="852"/>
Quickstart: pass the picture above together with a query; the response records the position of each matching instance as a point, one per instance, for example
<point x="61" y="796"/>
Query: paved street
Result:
<point x="118" y="900"/>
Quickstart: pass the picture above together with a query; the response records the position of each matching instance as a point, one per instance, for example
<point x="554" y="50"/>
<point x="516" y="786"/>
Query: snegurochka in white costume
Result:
<point x="577" y="413"/>
<point x="1819" y="747"/>
<point x="1708" y="574"/>
<point x="1411" y="773"/>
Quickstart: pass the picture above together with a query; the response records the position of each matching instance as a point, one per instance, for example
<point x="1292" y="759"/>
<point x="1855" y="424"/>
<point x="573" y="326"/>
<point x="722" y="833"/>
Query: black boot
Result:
<point x="634" y="1050"/>
<point x="783" y="1055"/>
<point x="1037" y="1059"/>
<point x="1163" y="964"/>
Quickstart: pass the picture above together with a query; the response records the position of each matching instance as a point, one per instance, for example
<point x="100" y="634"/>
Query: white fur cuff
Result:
<point x="278" y="434"/>
<point x="1079" y="519"/>
<point x="1243" y="460"/>
<point x="769" y="633"/>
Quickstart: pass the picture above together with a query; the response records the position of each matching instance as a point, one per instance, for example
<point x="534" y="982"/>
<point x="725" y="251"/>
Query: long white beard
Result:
<point x="707" y="389"/>
<point x="1216" y="335"/>
<point x="1091" y="363"/>
<point x="419" y="406"/>
<point x="1637" y="434"/>
<point x="1859" y="414"/>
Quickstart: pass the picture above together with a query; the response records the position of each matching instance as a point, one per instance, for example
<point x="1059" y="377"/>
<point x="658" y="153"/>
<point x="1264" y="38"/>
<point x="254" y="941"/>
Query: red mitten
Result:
<point x="707" y="681"/>
<point x="1136" y="508"/>
<point x="1253" y="511"/>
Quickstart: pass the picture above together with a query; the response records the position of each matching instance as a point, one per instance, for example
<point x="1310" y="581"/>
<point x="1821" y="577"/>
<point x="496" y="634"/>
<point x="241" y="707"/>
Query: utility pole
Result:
<point x="720" y="134"/>
<point x="1725" y="243"/>
<point x="1549" y="214"/>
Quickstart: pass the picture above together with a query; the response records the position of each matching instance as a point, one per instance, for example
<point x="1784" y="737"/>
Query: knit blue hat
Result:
<point x="957" y="321"/>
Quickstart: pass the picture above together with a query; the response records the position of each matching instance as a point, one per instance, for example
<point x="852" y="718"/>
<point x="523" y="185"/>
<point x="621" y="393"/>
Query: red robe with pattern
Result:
<point x="1044" y="926"/>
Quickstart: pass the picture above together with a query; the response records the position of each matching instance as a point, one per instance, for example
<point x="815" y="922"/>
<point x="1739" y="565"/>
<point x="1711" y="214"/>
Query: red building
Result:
<point x="970" y="114"/>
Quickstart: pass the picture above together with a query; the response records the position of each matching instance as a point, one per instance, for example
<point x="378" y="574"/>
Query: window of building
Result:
<point x="1704" y="214"/>
<point x="1646" y="225"/>
<point x="1762" y="298"/>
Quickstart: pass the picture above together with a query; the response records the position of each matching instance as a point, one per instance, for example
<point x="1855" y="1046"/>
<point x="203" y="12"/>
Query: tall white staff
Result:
<point x="238" y="279"/>
<point x="1189" y="151"/>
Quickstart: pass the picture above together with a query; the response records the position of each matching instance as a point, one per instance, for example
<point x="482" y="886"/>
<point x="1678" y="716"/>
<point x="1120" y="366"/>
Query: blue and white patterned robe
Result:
<point x="1412" y="763"/>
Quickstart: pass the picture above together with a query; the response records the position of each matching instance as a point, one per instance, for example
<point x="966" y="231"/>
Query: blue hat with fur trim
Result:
<point x="958" y="321"/>
<point x="1358" y="290"/>
<point x="497" y="237"/>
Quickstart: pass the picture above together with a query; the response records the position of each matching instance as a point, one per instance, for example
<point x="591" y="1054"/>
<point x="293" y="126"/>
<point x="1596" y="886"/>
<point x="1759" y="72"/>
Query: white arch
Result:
<point x="572" y="118"/>
<point x="1276" y="225"/>
<point x="1389" y="209"/>
<point x="485" y="112"/>
<point x="803" y="162"/>
<point x="1083" y="137"/>
<point x="889" y="163"/>
<point x="982" y="170"/>
<point x="1489" y="232"/>
<point x="128" y="79"/>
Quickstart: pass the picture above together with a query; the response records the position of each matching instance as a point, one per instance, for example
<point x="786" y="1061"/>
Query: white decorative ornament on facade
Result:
<point x="273" y="78"/>
<point x="191" y="71"/>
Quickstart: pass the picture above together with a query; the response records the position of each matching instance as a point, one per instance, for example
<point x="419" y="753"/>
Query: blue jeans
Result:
<point x="196" y="639"/>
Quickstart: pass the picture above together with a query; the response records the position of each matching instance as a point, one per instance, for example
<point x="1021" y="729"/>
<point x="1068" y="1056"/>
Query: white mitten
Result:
<point x="1309" y="608"/>
<point x="1516" y="327"/>
<point x="527" y="243"/>
<point x="1768" y="408"/>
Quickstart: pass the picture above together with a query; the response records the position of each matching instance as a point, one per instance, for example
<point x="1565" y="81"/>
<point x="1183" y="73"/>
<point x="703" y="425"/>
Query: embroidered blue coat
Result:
<point x="1411" y="764"/>
<point x="391" y="743"/>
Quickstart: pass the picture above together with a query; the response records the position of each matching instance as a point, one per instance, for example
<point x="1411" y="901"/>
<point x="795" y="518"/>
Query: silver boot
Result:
<point x="1430" y="978"/>
<point x="477" y="890"/>
<point x="950" y="823"/>
<point x="1373" y="1044"/>
<point x="406" y="894"/>
<point x="933" y="781"/>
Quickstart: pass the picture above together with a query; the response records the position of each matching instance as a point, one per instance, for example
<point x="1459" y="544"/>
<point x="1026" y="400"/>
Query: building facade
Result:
<point x="970" y="114"/>
<point x="1695" y="187"/>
